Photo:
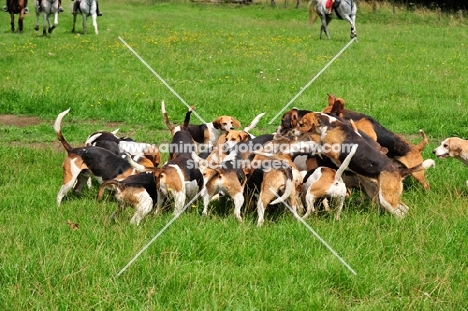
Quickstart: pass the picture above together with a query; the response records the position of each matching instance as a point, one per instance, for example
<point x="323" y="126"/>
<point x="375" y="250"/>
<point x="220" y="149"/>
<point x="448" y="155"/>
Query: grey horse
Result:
<point x="342" y="9"/>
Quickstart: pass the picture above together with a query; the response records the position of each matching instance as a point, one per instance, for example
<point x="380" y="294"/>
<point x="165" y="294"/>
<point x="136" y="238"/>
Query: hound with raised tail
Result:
<point x="209" y="133"/>
<point x="325" y="182"/>
<point x="83" y="162"/>
<point x="204" y="133"/>
<point x="179" y="177"/>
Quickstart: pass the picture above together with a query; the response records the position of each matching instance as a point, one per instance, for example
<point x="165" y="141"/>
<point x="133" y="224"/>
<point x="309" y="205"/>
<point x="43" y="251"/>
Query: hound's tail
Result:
<point x="187" y="118"/>
<point x="166" y="118"/>
<point x="287" y="189"/>
<point x="168" y="123"/>
<point x="58" y="131"/>
<point x="423" y="142"/>
<point x="345" y="163"/>
<point x="254" y="122"/>
<point x="107" y="184"/>
<point x="139" y="167"/>
<point x="423" y="166"/>
<point x="331" y="99"/>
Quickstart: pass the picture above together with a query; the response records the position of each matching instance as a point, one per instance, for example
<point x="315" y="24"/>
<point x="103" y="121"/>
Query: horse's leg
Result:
<point x="37" y="15"/>
<point x="55" y="21"/>
<point x="84" y="23"/>
<point x="12" y="22"/>
<point x="46" y="22"/>
<point x="353" y="27"/>
<point x="325" y="21"/>
<point x="351" y="20"/>
<point x="74" y="21"/>
<point x="54" y="10"/>
<point x="94" y="17"/>
<point x="20" y="20"/>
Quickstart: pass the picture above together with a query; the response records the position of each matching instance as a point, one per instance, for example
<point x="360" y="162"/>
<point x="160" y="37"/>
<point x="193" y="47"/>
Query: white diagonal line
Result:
<point x="311" y="81"/>
<point x="161" y="79"/>
<point x="316" y="234"/>
<point x="159" y="233"/>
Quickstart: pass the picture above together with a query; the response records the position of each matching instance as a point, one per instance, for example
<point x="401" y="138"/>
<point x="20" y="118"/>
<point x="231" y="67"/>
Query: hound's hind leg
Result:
<point x="310" y="201"/>
<point x="145" y="204"/>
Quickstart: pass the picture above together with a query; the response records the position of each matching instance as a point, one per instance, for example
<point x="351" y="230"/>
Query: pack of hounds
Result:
<point x="312" y="162"/>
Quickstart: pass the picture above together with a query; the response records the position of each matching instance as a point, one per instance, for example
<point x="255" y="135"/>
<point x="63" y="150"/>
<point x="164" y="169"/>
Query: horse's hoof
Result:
<point x="36" y="28"/>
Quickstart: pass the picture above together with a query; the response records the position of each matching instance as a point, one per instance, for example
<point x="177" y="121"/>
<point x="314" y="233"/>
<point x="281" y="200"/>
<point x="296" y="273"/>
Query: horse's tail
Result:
<point x="58" y="131"/>
<point x="312" y="11"/>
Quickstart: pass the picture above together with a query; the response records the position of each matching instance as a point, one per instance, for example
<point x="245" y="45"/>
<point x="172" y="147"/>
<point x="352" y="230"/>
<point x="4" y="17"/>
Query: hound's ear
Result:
<point x="294" y="118"/>
<point x="331" y="99"/>
<point x="311" y="119"/>
<point x="244" y="136"/>
<point x="454" y="147"/>
<point x="308" y="122"/>
<point x="235" y="123"/>
<point x="157" y="173"/>
<point x="316" y="121"/>
<point x="222" y="139"/>
<point x="217" y="123"/>
<point x="155" y="158"/>
<point x="338" y="107"/>
<point x="342" y="103"/>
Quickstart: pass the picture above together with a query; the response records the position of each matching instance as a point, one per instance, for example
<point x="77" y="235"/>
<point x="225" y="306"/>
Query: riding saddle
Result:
<point x="335" y="4"/>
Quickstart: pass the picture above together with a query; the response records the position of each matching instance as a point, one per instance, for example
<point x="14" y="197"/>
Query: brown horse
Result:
<point x="16" y="7"/>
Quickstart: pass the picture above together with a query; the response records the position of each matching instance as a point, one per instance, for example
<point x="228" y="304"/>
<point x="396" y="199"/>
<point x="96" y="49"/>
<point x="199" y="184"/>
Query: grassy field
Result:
<point x="408" y="71"/>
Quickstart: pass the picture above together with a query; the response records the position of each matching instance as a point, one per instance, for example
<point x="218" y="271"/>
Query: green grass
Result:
<point x="408" y="71"/>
